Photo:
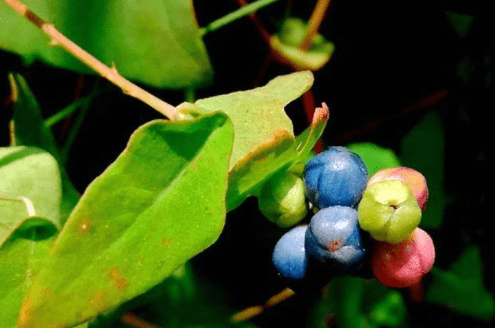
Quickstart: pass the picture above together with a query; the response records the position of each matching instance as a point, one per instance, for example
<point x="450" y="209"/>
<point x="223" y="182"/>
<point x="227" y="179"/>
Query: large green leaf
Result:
<point x="423" y="150"/>
<point x="30" y="130"/>
<point x="264" y="140"/>
<point x="152" y="41"/>
<point x="159" y="204"/>
<point x="31" y="173"/>
<point x="28" y="177"/>
<point x="461" y="287"/>
<point x="20" y="259"/>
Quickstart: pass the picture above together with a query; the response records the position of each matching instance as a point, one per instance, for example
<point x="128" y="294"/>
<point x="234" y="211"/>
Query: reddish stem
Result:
<point x="426" y="102"/>
<point x="417" y="292"/>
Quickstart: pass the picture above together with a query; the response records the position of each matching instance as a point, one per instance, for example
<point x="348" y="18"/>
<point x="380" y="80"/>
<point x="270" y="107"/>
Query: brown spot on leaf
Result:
<point x="334" y="245"/>
<point x="117" y="279"/>
<point x="26" y="314"/>
<point x="98" y="300"/>
<point x="84" y="226"/>
<point x="166" y="242"/>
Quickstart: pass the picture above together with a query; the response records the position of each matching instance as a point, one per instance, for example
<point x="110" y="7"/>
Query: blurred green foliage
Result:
<point x="154" y="42"/>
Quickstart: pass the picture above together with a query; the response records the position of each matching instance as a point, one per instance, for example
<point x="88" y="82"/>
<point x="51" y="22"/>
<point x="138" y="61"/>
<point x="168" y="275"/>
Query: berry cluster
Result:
<point x="361" y="227"/>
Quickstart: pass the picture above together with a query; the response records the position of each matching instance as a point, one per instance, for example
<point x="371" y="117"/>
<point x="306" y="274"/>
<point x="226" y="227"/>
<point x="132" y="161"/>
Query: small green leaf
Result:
<point x="354" y="302"/>
<point x="20" y="260"/>
<point x="136" y="223"/>
<point x="385" y="307"/>
<point x="30" y="130"/>
<point x="282" y="152"/>
<point x="374" y="156"/>
<point x="33" y="174"/>
<point x="460" y="23"/>
<point x="461" y="287"/>
<point x="423" y="150"/>
<point x="286" y="44"/>
<point x="151" y="41"/>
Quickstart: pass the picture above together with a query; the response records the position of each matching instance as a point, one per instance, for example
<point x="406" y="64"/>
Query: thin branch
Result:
<point x="111" y="74"/>
<point x="245" y="10"/>
<point x="425" y="102"/>
<point x="256" y="21"/>
<point x="254" y="311"/>
<point x="132" y="320"/>
<point x="314" y="24"/>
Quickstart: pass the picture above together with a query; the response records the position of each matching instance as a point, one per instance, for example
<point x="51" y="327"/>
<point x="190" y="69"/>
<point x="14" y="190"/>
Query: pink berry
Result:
<point x="415" y="180"/>
<point x="401" y="265"/>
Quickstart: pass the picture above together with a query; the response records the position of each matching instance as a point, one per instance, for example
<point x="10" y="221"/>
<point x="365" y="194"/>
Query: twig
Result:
<point x="426" y="102"/>
<point x="74" y="130"/>
<point x="73" y="107"/>
<point x="111" y="74"/>
<point x="314" y="23"/>
<point x="253" y="311"/>
<point x="255" y="20"/>
<point x="245" y="10"/>
<point x="132" y="320"/>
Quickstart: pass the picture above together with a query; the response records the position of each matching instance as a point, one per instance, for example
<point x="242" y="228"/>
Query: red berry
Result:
<point x="414" y="179"/>
<point x="403" y="264"/>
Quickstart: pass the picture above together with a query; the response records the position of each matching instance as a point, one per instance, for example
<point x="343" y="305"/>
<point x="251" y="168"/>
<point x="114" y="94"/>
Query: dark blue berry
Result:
<point x="334" y="239"/>
<point x="336" y="176"/>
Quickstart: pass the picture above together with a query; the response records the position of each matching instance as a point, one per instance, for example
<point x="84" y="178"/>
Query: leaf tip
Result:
<point x="14" y="89"/>
<point x="321" y="114"/>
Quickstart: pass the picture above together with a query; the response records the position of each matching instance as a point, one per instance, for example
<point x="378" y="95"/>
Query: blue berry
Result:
<point x="289" y="256"/>
<point x="300" y="273"/>
<point x="336" y="176"/>
<point x="334" y="239"/>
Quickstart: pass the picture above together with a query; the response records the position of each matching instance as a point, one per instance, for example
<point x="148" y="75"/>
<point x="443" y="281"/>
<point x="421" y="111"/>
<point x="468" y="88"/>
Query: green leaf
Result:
<point x="20" y="259"/>
<point x="461" y="287"/>
<point x="281" y="153"/>
<point x="354" y="302"/>
<point x="152" y="41"/>
<point x="286" y="44"/>
<point x="258" y="113"/>
<point x="460" y="23"/>
<point x="30" y="130"/>
<point x="264" y="140"/>
<point x="136" y="223"/>
<point x="423" y="150"/>
<point x="289" y="38"/>
<point x="374" y="156"/>
<point x="33" y="174"/>
<point x="385" y="307"/>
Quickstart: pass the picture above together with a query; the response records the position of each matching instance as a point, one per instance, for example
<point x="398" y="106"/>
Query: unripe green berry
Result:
<point x="282" y="200"/>
<point x="389" y="211"/>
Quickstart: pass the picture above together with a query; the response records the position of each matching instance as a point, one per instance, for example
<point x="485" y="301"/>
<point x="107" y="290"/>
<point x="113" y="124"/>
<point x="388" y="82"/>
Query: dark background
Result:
<point x="389" y="55"/>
